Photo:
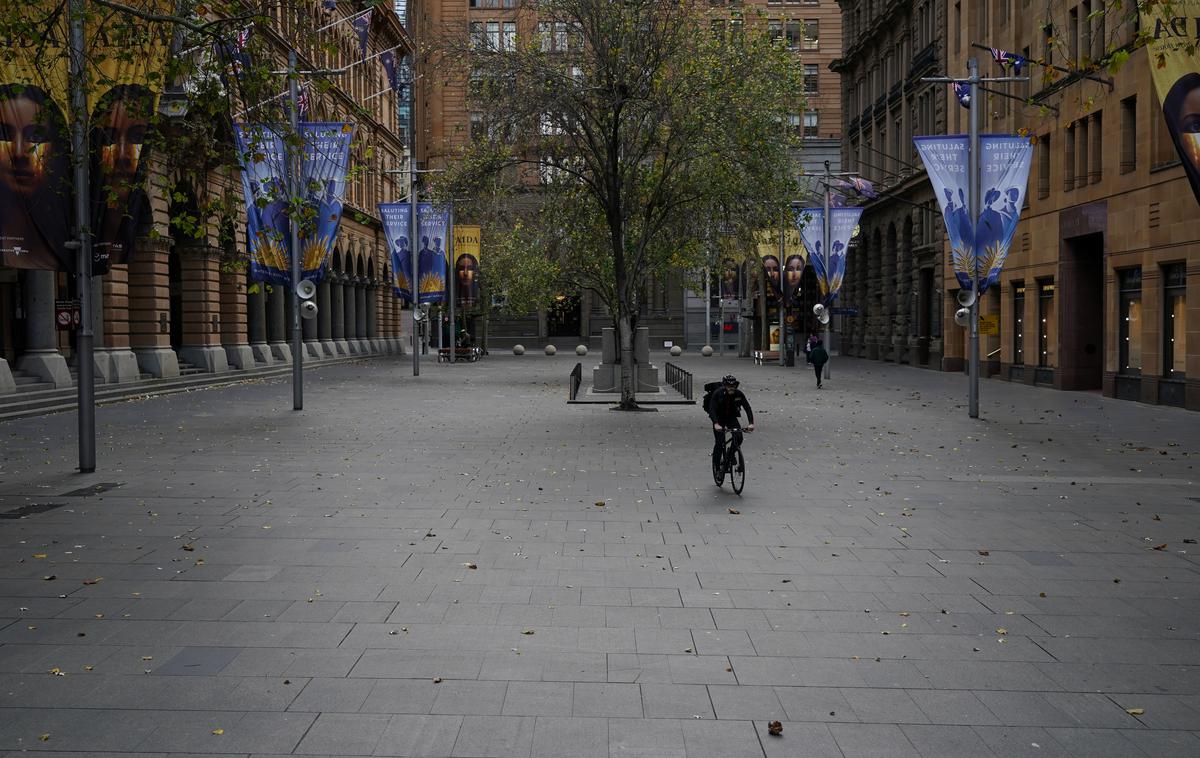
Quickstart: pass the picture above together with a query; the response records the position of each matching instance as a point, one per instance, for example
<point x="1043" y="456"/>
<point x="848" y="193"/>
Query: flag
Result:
<point x="1175" y="69"/>
<point x="1007" y="59"/>
<point x="236" y="53"/>
<point x="303" y="103"/>
<point x="362" y="26"/>
<point x="433" y="232"/>
<point x="329" y="5"/>
<point x="962" y="91"/>
<point x="829" y="266"/>
<point x="396" y="222"/>
<point x="388" y="59"/>
<point x="978" y="247"/>
<point x="466" y="266"/>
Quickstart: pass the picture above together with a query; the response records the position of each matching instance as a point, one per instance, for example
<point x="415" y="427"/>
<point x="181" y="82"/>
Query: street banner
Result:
<point x="727" y="284"/>
<point x="829" y="266"/>
<point x="395" y="231"/>
<point x="323" y="169"/>
<point x="126" y="58"/>
<point x="784" y="280"/>
<point x="466" y="265"/>
<point x="978" y="248"/>
<point x="433" y="230"/>
<point x="322" y="183"/>
<point x="1175" y="68"/>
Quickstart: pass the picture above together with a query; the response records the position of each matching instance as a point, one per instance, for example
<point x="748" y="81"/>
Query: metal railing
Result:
<point x="680" y="380"/>
<point x="575" y="380"/>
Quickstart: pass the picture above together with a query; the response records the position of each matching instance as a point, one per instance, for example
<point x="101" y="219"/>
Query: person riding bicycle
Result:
<point x="724" y="408"/>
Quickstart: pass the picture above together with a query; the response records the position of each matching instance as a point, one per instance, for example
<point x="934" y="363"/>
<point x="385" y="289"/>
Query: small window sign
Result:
<point x="668" y="343"/>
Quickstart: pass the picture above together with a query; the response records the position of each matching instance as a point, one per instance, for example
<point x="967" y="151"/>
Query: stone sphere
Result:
<point x="551" y="350"/>
<point x="518" y="350"/>
<point x="676" y="351"/>
<point x="706" y="351"/>
<point x="581" y="350"/>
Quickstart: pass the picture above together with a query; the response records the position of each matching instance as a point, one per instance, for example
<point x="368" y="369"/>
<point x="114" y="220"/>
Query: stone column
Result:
<point x="256" y="323"/>
<point x="372" y="316"/>
<point x="277" y="332"/>
<point x="200" y="269"/>
<point x="150" y="308"/>
<point x="101" y="364"/>
<point x="350" y="310"/>
<point x="325" y="317"/>
<point x="123" y="365"/>
<point x="308" y="330"/>
<point x="360" y="316"/>
<point x="337" y="314"/>
<point x="8" y="385"/>
<point x="41" y="357"/>
<point x="234" y="316"/>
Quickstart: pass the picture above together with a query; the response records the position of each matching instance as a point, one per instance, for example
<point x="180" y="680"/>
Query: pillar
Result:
<point x="200" y="268"/>
<point x="372" y="317"/>
<point x="122" y="363"/>
<point x="101" y="365"/>
<point x="337" y="313"/>
<point x="256" y="323"/>
<point x="41" y="357"/>
<point x="325" y="317"/>
<point x="8" y="385"/>
<point x="361" y="292"/>
<point x="308" y="332"/>
<point x="234" y="315"/>
<point x="277" y="320"/>
<point x="350" y="310"/>
<point x="150" y="308"/>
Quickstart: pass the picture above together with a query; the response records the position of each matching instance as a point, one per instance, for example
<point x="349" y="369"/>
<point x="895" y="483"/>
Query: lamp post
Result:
<point x="82" y="244"/>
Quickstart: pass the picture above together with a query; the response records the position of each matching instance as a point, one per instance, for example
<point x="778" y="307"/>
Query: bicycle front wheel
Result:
<point x="719" y="471"/>
<point x="737" y="472"/>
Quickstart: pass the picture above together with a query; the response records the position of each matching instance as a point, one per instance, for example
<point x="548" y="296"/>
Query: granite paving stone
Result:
<point x="898" y="580"/>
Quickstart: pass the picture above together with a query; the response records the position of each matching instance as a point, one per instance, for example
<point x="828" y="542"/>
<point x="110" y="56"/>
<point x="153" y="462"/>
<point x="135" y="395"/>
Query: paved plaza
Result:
<point x="462" y="564"/>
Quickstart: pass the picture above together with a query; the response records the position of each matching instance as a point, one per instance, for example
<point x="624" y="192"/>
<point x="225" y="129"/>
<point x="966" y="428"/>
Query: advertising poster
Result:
<point x="784" y="279"/>
<point x="466" y="265"/>
<point x="1175" y="68"/>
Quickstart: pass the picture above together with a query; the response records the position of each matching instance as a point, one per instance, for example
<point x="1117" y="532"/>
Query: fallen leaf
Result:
<point x="437" y="680"/>
<point x="90" y="582"/>
<point x="599" y="503"/>
<point x="734" y="511"/>
<point x="44" y="737"/>
<point x="147" y="657"/>
<point x="775" y="729"/>
<point x="39" y="556"/>
<point x="57" y="671"/>
<point x="985" y="552"/>
<point x="88" y="668"/>
<point x="1163" y="546"/>
<point x="1135" y="711"/>
<point x="50" y="578"/>
<point x="527" y="631"/>
<point x="218" y="731"/>
<point x="470" y="565"/>
<point x="1001" y="630"/>
<point x="189" y="548"/>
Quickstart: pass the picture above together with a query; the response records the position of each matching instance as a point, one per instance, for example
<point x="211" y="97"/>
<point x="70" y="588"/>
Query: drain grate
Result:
<point x="94" y="489"/>
<point x="27" y="510"/>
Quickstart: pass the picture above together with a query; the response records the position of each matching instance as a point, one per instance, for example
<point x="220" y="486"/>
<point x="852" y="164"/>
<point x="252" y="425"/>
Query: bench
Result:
<point x="468" y="354"/>
<point x="765" y="356"/>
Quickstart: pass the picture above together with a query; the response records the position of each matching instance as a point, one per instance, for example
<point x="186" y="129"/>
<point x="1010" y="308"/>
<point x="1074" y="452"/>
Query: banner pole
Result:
<point x="973" y="215"/>
<point x="707" y="306"/>
<point x="412" y="236"/>
<point x="294" y="227"/>
<point x="82" y="244"/>
<point x="826" y="241"/>
<point x="783" y="293"/>
<point x="450" y="276"/>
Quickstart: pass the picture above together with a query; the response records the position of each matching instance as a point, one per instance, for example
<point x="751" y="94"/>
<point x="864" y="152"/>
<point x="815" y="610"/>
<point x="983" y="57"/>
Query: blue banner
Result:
<point x="323" y="166"/>
<point x="978" y="249"/>
<point x="433" y="235"/>
<point x="395" y="230"/>
<point x="828" y="265"/>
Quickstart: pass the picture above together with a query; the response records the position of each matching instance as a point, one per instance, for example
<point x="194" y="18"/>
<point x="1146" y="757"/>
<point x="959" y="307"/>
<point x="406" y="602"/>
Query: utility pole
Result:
<point x="973" y="81"/>
<point x="293" y="165"/>
<point x="826" y="242"/>
<point x="82" y="243"/>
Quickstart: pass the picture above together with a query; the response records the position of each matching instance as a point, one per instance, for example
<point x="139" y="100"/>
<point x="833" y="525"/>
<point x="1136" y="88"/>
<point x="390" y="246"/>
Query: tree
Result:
<point x="618" y="130"/>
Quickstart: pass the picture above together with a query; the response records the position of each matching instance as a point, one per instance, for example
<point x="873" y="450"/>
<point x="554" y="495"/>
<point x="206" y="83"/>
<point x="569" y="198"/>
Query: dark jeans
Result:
<point x="735" y="428"/>
<point x="818" y="370"/>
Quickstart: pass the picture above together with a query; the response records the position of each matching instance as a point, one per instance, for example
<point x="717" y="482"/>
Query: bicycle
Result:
<point x="732" y="463"/>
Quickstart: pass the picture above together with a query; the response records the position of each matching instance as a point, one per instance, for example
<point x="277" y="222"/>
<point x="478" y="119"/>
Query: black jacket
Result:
<point x="725" y="408"/>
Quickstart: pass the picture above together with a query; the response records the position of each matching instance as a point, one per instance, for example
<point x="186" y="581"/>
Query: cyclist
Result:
<point x="724" y="407"/>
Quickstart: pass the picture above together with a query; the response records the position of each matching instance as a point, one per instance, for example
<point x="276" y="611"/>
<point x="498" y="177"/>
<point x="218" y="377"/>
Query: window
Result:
<point x="478" y="36"/>
<point x="1044" y="166"/>
<point x="1129" y="134"/>
<point x="774" y="29"/>
<point x="493" y="35"/>
<point x="1073" y="36"/>
<point x="1047" y="324"/>
<point x="812" y="34"/>
<point x="509" y="40"/>
<point x="1162" y="149"/>
<point x="478" y="127"/>
<point x="718" y="29"/>
<point x="793" y="35"/>
<point x="1069" y="159"/>
<point x="1082" y="142"/>
<point x="1174" y="320"/>
<point x="958" y="27"/>
<point x="1096" y="134"/>
<point x="1129" y="286"/>
<point x="1018" y="324"/>
<point x="810" y="123"/>
<point x="811" y="72"/>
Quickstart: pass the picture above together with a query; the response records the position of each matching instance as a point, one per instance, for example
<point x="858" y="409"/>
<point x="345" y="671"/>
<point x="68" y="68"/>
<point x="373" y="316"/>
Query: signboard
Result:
<point x="466" y="265"/>
<point x="989" y="325"/>
<point x="66" y="314"/>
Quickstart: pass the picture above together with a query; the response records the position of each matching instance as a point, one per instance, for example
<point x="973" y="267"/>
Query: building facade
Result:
<point x="894" y="276"/>
<point x="1099" y="290"/>
<point x="445" y="123"/>
<point x="184" y="303"/>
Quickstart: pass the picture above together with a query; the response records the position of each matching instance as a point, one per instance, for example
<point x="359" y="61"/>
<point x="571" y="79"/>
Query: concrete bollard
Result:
<point x="518" y="350"/>
<point x="581" y="350"/>
<point x="676" y="351"/>
<point x="706" y="351"/>
<point x="551" y="350"/>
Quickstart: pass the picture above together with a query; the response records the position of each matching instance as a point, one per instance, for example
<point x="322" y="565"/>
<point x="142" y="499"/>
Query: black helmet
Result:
<point x="730" y="380"/>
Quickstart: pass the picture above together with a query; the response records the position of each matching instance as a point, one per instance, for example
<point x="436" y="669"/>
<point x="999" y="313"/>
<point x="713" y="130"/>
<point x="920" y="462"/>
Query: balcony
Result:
<point x="926" y="59"/>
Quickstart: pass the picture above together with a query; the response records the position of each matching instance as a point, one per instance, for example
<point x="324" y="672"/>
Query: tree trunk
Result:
<point x="625" y="327"/>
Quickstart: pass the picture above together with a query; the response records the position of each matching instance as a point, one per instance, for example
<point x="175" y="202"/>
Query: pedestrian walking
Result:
<point x="818" y="357"/>
<point x="809" y="344"/>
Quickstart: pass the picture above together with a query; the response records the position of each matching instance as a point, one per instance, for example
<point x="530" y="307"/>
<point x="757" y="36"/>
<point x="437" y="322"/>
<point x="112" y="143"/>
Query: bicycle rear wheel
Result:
<point x="737" y="472"/>
<point x="719" y="470"/>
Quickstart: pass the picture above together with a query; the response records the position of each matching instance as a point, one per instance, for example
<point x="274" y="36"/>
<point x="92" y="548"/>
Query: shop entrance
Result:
<point x="563" y="317"/>
<point x="1081" y="313"/>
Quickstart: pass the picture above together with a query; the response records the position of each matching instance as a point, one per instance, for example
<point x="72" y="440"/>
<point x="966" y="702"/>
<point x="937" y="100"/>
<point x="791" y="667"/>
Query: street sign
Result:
<point x="989" y="325"/>
<point x="843" y="311"/>
<point x="66" y="314"/>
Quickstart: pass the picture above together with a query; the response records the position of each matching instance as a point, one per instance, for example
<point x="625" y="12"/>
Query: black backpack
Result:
<point x="708" y="393"/>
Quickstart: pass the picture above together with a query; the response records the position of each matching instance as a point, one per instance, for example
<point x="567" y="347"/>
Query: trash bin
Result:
<point x="790" y="356"/>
